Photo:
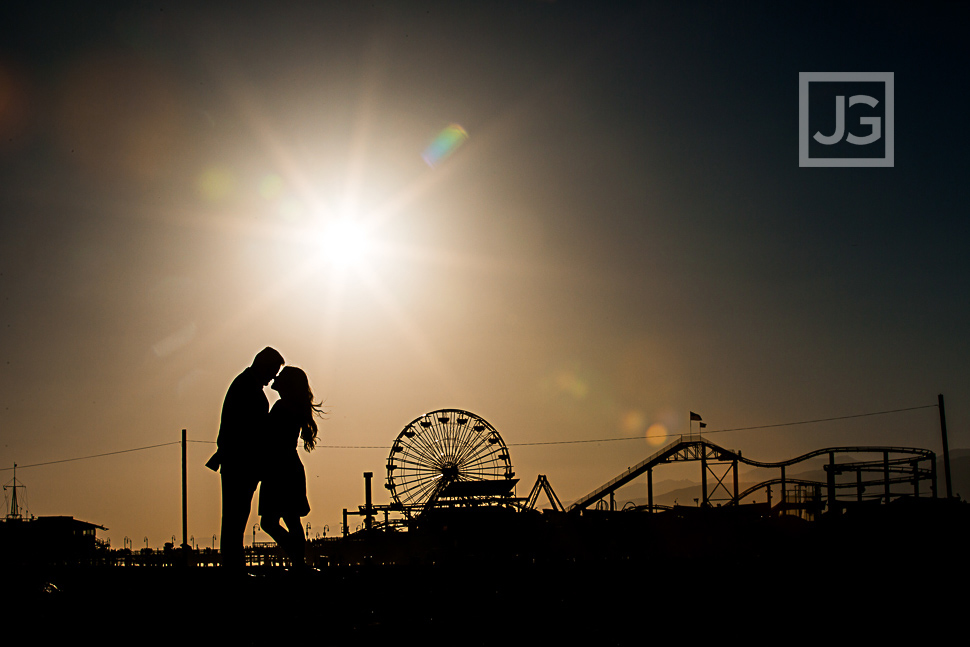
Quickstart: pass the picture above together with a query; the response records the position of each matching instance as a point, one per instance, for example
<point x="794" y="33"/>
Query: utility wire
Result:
<point x="806" y="422"/>
<point x="81" y="458"/>
<point x="721" y="431"/>
<point x="591" y="440"/>
<point x="385" y="447"/>
<point x="550" y="442"/>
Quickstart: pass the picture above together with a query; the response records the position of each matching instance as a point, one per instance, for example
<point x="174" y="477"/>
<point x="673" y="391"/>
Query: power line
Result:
<point x="353" y="447"/>
<point x="720" y="431"/>
<point x="81" y="458"/>
<point x="713" y="431"/>
<point x="806" y="422"/>
<point x="591" y="440"/>
<point x="549" y="442"/>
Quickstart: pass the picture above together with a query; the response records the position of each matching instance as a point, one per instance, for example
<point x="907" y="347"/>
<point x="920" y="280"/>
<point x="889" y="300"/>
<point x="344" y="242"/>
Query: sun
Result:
<point x="345" y="242"/>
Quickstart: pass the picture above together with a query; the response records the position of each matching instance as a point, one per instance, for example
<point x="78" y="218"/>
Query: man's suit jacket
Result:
<point x="245" y="415"/>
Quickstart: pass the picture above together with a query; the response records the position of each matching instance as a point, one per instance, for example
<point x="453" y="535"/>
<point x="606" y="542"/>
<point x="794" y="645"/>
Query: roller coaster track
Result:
<point x="924" y="453"/>
<point x="627" y="476"/>
<point x="924" y="474"/>
<point x="697" y="448"/>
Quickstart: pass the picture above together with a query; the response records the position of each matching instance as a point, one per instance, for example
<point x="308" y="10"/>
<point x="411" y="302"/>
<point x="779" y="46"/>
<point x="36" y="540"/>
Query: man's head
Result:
<point x="267" y="364"/>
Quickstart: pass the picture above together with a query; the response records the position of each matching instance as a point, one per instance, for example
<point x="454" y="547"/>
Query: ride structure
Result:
<point x="445" y="459"/>
<point x="452" y="459"/>
<point x="878" y="479"/>
<point x="448" y="457"/>
<point x="452" y="489"/>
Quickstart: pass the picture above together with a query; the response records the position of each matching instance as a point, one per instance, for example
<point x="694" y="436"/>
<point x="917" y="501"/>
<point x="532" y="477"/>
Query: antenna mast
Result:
<point x="14" y="506"/>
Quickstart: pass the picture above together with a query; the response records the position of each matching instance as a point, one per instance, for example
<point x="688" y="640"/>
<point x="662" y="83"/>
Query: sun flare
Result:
<point x="345" y="242"/>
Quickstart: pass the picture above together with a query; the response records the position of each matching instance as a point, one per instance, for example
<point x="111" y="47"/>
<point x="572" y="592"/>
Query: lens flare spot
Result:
<point x="657" y="435"/>
<point x="216" y="183"/>
<point x="633" y="422"/>
<point x="271" y="186"/>
<point x="570" y="383"/>
<point x="14" y="107"/>
<point x="444" y="145"/>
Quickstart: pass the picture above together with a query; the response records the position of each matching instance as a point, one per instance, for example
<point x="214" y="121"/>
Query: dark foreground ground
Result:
<point x="888" y="576"/>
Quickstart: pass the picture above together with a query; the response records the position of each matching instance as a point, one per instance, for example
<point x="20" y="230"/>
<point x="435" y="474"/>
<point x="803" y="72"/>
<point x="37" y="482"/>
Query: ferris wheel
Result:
<point x="440" y="449"/>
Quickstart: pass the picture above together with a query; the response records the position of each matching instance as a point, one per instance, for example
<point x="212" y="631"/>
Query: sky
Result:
<point x="619" y="234"/>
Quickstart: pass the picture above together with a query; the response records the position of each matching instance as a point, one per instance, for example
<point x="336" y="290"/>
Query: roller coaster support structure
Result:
<point x="718" y="462"/>
<point x="542" y="485"/>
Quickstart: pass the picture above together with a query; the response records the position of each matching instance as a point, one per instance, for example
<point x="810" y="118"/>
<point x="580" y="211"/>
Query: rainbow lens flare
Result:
<point x="446" y="143"/>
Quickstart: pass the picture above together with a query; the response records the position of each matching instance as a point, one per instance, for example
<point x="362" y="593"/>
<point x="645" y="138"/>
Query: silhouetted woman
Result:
<point x="282" y="494"/>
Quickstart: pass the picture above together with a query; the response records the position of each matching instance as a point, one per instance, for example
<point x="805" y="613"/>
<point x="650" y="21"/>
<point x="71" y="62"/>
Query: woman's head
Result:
<point x="291" y="383"/>
<point x="294" y="388"/>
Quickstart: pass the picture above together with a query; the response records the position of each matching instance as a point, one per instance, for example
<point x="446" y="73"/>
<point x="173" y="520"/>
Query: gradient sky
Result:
<point x="625" y="236"/>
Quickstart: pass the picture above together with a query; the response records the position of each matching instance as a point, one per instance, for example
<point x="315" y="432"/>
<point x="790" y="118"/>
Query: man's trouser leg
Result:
<point x="237" y="499"/>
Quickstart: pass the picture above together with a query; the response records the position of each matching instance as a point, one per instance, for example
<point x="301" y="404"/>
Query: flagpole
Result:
<point x="691" y="417"/>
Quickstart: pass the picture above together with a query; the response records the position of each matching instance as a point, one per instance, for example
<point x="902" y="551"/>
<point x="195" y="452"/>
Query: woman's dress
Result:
<point x="282" y="492"/>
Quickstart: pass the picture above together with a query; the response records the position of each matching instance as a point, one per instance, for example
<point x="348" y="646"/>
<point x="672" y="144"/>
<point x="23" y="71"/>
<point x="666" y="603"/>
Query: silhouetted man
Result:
<point x="245" y="415"/>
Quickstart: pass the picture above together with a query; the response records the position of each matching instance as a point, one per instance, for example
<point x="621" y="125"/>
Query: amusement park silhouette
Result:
<point x="455" y="537"/>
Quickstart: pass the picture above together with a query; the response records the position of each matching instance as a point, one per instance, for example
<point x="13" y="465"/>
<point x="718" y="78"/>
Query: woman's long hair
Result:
<point x="295" y="381"/>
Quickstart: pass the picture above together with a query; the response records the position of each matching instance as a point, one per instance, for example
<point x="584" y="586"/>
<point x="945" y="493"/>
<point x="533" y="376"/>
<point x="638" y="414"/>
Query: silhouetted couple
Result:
<point x="255" y="445"/>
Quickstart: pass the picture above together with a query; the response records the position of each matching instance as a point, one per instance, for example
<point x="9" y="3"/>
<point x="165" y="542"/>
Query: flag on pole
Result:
<point x="694" y="416"/>
<point x="703" y="425"/>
